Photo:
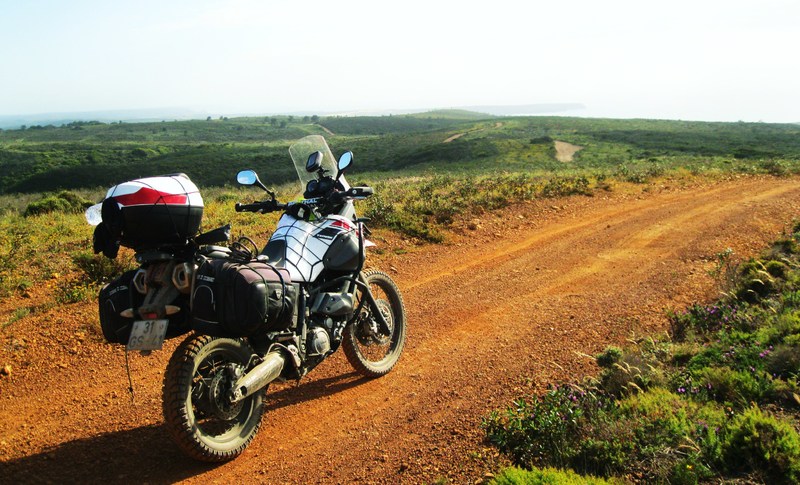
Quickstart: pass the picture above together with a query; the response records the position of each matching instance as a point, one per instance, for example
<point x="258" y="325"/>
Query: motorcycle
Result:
<point x="254" y="316"/>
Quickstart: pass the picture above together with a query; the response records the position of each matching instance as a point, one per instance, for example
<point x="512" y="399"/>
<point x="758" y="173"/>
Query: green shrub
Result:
<point x="702" y="321"/>
<point x="775" y="167"/>
<point x="663" y="417"/>
<point x="783" y="247"/>
<point x="732" y="387"/>
<point x="98" y="269"/>
<point x="755" y="442"/>
<point x="790" y="299"/>
<point x="776" y="269"/>
<point x="74" y="292"/>
<point x="609" y="357"/>
<point x="546" y="429"/>
<point x="684" y="352"/>
<point x="610" y="446"/>
<point x="64" y="201"/>
<point x="562" y="186"/>
<point x="226" y="197"/>
<point x="545" y="476"/>
<point x="756" y="282"/>
<point x="633" y="372"/>
<point x="784" y="361"/>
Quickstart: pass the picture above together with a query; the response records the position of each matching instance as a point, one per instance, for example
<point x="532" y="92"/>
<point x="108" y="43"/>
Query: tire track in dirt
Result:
<point x="493" y="317"/>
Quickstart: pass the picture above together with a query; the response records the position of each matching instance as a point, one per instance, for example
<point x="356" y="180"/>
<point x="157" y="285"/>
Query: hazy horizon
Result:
<point x="705" y="61"/>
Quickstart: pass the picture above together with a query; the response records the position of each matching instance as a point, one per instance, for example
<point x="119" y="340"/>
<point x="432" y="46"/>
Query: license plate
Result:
<point x="147" y="335"/>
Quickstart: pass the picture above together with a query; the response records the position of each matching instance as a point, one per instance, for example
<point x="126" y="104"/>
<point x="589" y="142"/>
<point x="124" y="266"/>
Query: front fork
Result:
<point x="368" y="298"/>
<point x="366" y="294"/>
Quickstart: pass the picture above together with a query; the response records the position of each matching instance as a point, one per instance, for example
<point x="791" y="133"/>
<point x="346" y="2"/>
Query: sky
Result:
<point x="681" y="59"/>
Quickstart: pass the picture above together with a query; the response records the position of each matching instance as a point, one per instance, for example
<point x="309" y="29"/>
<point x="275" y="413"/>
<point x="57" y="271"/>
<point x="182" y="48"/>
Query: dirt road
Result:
<point x="499" y="311"/>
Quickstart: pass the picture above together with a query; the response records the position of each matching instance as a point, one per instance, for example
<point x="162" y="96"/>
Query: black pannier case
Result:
<point x="242" y="299"/>
<point x="121" y="295"/>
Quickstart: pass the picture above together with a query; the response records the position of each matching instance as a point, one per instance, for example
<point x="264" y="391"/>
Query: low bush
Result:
<point x="761" y="444"/>
<point x="64" y="201"/>
<point x="609" y="357"/>
<point x="546" y="429"/>
<point x="98" y="269"/>
<point x="629" y="373"/>
<point x="74" y="292"/>
<point x="546" y="476"/>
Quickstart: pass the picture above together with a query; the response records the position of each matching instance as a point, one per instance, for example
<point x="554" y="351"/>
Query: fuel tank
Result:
<point x="306" y="248"/>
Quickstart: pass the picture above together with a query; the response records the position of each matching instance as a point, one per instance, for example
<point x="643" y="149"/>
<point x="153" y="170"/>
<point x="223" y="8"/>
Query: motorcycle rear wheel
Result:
<point x="370" y="353"/>
<point x="198" y="416"/>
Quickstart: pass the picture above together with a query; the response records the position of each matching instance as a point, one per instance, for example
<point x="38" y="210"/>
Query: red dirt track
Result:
<point x="501" y="310"/>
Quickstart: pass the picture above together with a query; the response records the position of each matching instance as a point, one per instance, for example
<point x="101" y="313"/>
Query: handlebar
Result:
<point x="334" y="198"/>
<point x="261" y="207"/>
<point x="360" y="191"/>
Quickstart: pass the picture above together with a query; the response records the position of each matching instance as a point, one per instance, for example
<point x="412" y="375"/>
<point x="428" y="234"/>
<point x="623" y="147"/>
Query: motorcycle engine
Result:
<point x="322" y="335"/>
<point x="319" y="342"/>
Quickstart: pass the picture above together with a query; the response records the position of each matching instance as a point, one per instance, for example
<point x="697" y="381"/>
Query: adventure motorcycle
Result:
<point x="254" y="316"/>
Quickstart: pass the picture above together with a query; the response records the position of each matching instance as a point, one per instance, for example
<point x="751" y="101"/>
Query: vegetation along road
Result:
<point x="512" y="301"/>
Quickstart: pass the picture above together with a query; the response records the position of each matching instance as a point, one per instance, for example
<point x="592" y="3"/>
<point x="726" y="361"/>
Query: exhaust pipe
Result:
<point x="258" y="378"/>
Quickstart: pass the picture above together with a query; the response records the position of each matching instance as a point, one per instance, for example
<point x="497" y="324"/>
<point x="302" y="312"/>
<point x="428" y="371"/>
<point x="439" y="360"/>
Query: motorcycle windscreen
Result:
<point x="300" y="152"/>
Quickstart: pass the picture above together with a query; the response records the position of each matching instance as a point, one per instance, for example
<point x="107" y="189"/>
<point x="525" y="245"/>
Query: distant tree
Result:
<point x="291" y="118"/>
<point x="220" y="118"/>
<point x="224" y="118"/>
<point x="315" y="118"/>
<point x="273" y="121"/>
<point x="306" y="119"/>
<point x="23" y="127"/>
<point x="283" y="124"/>
<point x="208" y="119"/>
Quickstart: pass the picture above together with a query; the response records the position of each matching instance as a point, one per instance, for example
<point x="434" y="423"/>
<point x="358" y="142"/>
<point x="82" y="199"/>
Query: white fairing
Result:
<point x="307" y="242"/>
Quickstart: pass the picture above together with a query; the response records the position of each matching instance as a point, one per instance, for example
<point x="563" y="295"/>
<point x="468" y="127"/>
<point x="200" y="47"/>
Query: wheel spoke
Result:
<point x="366" y="348"/>
<point x="201" y="419"/>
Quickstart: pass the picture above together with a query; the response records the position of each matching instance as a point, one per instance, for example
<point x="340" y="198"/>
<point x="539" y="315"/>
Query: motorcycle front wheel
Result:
<point x="199" y="416"/>
<point x="370" y="352"/>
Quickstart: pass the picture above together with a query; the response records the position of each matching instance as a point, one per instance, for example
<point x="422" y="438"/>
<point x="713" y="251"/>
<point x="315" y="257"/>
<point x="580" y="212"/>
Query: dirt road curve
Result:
<point x="501" y="310"/>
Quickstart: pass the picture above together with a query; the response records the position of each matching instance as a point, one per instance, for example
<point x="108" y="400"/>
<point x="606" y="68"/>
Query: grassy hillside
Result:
<point x="91" y="154"/>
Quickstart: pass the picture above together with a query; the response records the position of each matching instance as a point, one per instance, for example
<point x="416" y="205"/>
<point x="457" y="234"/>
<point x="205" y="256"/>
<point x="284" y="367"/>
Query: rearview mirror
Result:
<point x="247" y="177"/>
<point x="345" y="161"/>
<point x="250" y="177"/>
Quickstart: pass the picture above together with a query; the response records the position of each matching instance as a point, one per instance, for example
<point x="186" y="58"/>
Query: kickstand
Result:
<point x="130" y="380"/>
